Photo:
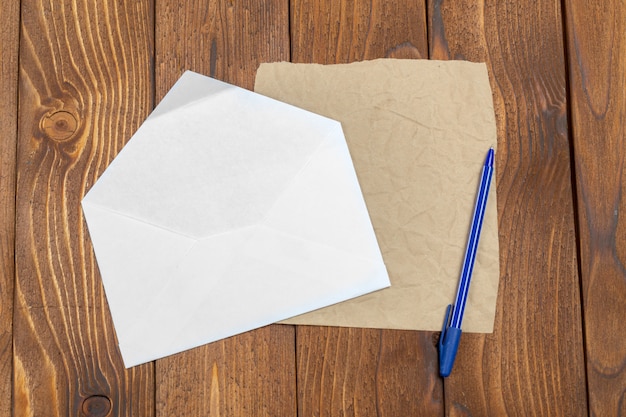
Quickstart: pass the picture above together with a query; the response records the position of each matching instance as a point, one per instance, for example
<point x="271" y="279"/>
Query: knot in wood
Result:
<point x="60" y="125"/>
<point x="96" y="406"/>
<point x="435" y="338"/>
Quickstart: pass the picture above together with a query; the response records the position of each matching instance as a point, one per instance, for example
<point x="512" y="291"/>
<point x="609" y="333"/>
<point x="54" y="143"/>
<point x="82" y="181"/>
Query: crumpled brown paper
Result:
<point x="418" y="133"/>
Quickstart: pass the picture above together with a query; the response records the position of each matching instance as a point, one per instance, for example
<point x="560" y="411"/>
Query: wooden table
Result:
<point x="77" y="79"/>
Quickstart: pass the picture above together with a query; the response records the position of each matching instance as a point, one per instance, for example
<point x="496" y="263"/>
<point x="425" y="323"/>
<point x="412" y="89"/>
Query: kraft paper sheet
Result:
<point x="418" y="132"/>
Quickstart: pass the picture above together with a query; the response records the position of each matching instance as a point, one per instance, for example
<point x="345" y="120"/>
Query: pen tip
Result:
<point x="490" y="157"/>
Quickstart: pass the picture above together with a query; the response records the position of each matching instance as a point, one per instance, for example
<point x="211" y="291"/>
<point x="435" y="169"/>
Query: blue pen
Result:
<point x="451" y="331"/>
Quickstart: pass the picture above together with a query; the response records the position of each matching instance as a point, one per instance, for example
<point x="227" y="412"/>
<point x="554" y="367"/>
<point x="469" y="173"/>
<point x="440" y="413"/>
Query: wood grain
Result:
<point x="85" y="86"/>
<point x="533" y="363"/>
<point x="367" y="372"/>
<point x="9" y="49"/>
<point x="225" y="39"/>
<point x="247" y="375"/>
<point x="253" y="373"/>
<point x="363" y="372"/>
<point x="597" y="61"/>
<point x="86" y="82"/>
<point x="333" y="32"/>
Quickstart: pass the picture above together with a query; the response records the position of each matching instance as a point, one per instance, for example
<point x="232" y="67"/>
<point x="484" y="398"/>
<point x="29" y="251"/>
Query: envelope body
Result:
<point x="225" y="212"/>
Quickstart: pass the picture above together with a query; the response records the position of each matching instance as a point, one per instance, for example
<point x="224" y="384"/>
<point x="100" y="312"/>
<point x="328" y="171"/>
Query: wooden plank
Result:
<point x="224" y="39"/>
<point x="333" y="32"/>
<point x="533" y="363"/>
<point x="597" y="61"/>
<point x="363" y="371"/>
<point x="253" y="373"/>
<point x="9" y="39"/>
<point x="85" y="86"/>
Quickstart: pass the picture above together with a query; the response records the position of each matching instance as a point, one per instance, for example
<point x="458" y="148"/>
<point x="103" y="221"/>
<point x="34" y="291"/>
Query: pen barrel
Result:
<point x="472" y="242"/>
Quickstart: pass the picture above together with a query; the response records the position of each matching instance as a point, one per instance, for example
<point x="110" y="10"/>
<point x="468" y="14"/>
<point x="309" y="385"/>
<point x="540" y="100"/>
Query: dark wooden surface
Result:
<point x="9" y="49"/>
<point x="596" y="41"/>
<point x="78" y="77"/>
<point x="85" y="84"/>
<point x="533" y="363"/>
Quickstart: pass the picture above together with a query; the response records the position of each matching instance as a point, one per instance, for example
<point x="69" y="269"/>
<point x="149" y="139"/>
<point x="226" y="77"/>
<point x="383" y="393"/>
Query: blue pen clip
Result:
<point x="448" y="344"/>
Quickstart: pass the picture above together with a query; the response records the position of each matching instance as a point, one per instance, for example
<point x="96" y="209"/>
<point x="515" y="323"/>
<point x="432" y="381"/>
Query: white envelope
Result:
<point x="225" y="212"/>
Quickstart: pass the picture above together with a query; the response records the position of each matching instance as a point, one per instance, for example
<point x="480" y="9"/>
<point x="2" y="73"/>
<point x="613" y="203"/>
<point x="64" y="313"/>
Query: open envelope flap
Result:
<point x="212" y="165"/>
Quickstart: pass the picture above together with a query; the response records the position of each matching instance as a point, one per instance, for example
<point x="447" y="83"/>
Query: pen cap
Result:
<point x="447" y="350"/>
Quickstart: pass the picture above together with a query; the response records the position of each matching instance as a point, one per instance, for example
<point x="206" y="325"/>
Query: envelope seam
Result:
<point x="134" y="218"/>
